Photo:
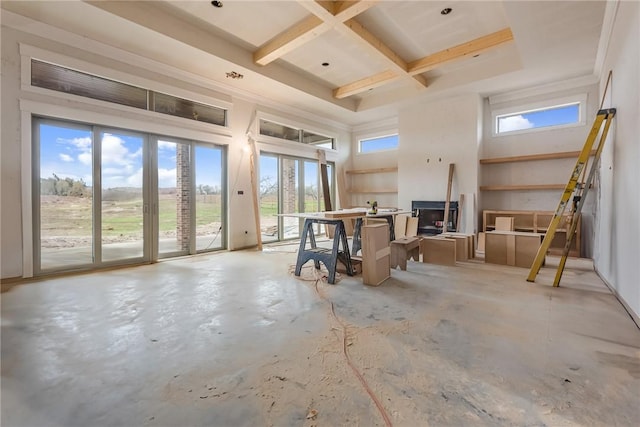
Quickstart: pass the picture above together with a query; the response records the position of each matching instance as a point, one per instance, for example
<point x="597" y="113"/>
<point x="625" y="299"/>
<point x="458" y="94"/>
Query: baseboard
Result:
<point x="634" y="316"/>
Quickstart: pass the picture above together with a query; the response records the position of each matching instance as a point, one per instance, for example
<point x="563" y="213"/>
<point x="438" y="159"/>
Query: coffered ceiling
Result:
<point x="350" y="60"/>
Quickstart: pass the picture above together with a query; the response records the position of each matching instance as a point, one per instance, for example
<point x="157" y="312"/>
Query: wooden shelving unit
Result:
<point x="532" y="157"/>
<point x="536" y="222"/>
<point x="369" y="190"/>
<point x="375" y="170"/>
<point x="528" y="158"/>
<point x="527" y="187"/>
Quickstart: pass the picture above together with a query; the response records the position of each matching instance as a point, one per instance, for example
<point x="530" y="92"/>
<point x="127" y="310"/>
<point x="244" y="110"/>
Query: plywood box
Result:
<point x="438" y="250"/>
<point x="470" y="240"/>
<point x="511" y="247"/>
<point x="462" y="247"/>
<point x="504" y="223"/>
<point x="376" y="254"/>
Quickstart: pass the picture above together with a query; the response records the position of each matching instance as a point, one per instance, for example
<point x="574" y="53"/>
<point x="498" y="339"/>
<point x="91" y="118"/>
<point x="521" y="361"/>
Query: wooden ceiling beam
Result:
<point x="290" y="39"/>
<point x="365" y="84"/>
<point x="472" y="47"/>
<point x="379" y="47"/>
<point x="345" y="10"/>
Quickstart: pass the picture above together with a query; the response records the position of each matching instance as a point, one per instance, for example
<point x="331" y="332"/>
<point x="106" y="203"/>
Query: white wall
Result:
<point x="19" y="102"/>
<point x="617" y="243"/>
<point x="555" y="171"/>
<point x="433" y="135"/>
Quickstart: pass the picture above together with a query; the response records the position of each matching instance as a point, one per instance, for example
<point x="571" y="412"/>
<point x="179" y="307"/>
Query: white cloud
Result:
<point x="114" y="151"/>
<point x="135" y="180"/>
<point x="511" y="123"/>
<point x="166" y="177"/>
<point x="65" y="157"/>
<point x="166" y="145"/>
<point x="85" y="158"/>
<point x="82" y="144"/>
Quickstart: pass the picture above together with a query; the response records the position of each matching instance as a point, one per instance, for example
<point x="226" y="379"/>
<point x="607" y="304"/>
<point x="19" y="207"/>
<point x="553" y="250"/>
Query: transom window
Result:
<point x="277" y="130"/>
<point x="379" y="143"/>
<point x="548" y="117"/>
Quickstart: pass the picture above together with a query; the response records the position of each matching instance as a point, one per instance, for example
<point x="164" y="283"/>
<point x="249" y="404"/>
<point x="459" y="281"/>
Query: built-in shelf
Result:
<point x="522" y="187"/>
<point x="531" y="157"/>
<point x="372" y="191"/>
<point x="376" y="170"/>
<point x="538" y="222"/>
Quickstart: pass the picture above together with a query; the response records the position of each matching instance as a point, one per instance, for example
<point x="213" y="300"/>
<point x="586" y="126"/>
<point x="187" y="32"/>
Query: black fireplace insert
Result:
<point x="431" y="216"/>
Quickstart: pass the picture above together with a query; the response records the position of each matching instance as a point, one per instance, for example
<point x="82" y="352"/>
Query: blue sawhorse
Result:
<point x="329" y="257"/>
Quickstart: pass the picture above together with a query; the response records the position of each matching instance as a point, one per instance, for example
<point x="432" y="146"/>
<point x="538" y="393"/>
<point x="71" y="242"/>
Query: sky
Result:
<point x="382" y="143"/>
<point x="541" y="118"/>
<point x="68" y="153"/>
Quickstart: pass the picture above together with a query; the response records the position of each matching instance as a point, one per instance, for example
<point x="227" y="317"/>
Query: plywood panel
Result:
<point x="438" y="250"/>
<point x="400" y="226"/>
<point x="412" y="227"/>
<point x="504" y="223"/>
<point x="376" y="255"/>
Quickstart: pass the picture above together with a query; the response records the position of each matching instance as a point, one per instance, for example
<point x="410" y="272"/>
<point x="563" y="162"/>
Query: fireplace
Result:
<point x="431" y="216"/>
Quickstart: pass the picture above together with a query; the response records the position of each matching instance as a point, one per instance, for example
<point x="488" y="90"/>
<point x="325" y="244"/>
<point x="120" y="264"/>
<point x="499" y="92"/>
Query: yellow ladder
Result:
<point x="581" y="189"/>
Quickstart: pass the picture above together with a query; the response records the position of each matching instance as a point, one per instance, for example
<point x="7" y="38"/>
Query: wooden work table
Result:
<point x="340" y="248"/>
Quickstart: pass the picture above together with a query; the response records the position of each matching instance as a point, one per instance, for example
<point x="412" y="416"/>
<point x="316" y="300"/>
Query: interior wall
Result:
<point x="433" y="135"/>
<point x="15" y="135"/>
<point x="617" y="227"/>
<point x="556" y="171"/>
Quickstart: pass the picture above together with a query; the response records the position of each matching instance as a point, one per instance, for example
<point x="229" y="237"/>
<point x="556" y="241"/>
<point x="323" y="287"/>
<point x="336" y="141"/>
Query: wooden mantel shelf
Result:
<point x="530" y="157"/>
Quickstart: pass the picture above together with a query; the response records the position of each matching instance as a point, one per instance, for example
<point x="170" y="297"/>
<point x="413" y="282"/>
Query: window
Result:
<point x="548" y="117"/>
<point x="379" y="143"/>
<point x="289" y="133"/>
<point x="61" y="79"/>
<point x="107" y="196"/>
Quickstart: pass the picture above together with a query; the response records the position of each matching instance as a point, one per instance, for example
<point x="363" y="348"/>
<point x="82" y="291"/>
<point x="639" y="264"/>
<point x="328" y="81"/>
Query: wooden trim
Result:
<point x="365" y="84"/>
<point x="471" y="47"/>
<point x="375" y="170"/>
<point x="522" y="187"/>
<point x="290" y="39"/>
<point x="531" y="157"/>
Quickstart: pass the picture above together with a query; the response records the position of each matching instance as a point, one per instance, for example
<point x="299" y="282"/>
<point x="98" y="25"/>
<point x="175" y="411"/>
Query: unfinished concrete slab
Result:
<point x="234" y="339"/>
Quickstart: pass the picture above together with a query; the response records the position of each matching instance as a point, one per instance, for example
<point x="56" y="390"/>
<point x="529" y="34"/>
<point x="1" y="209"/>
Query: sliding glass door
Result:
<point x="123" y="201"/>
<point x="64" y="195"/>
<point x="288" y="185"/>
<point x="109" y="196"/>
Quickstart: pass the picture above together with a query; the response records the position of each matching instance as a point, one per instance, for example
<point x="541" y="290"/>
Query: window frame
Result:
<point x="378" y="136"/>
<point x="549" y="104"/>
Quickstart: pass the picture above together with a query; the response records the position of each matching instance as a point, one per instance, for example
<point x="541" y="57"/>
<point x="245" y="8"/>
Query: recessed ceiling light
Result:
<point x="446" y="11"/>
<point x="325" y="64"/>
<point x="216" y="3"/>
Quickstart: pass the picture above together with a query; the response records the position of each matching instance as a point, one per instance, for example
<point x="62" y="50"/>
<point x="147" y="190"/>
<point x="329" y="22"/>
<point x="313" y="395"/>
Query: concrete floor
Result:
<point x="233" y="339"/>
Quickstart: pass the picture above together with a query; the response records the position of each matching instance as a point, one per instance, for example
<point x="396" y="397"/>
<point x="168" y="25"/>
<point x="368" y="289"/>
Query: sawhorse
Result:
<point x="357" y="231"/>
<point x="329" y="257"/>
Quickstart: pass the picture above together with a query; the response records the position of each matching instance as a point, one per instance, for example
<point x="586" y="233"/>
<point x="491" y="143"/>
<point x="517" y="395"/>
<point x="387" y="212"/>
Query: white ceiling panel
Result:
<point x="347" y="63"/>
<point x="553" y="40"/>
